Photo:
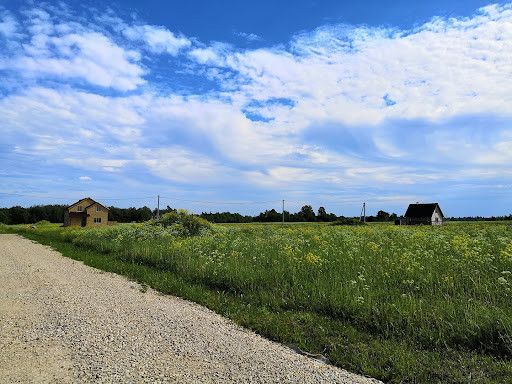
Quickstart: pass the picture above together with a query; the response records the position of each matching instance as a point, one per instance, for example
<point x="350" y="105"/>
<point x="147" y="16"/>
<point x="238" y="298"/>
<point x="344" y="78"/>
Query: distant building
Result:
<point x="86" y="213"/>
<point x="426" y="214"/>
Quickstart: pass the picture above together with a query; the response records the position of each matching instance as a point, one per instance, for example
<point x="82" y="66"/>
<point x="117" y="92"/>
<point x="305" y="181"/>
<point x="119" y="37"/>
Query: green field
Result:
<point x="402" y="304"/>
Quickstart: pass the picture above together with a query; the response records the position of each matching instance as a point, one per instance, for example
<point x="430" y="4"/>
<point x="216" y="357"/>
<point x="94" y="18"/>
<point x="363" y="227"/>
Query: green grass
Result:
<point x="402" y="304"/>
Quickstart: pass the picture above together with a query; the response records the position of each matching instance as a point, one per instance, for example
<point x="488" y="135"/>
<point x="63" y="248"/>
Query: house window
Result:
<point x="98" y="208"/>
<point x="79" y="208"/>
<point x="97" y="220"/>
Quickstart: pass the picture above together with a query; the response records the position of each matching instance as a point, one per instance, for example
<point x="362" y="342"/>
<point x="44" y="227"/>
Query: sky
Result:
<point x="232" y="105"/>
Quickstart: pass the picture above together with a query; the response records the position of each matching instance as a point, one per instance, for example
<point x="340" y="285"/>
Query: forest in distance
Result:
<point x="54" y="213"/>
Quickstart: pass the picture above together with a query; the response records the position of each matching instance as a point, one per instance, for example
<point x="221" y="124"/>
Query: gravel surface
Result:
<point x="62" y="321"/>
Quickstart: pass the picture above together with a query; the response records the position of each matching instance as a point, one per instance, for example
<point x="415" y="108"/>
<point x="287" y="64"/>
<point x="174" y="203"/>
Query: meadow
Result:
<point x="402" y="304"/>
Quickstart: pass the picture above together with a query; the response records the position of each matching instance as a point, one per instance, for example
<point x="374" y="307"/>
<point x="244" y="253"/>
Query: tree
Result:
<point x="307" y="213"/>
<point x="269" y="216"/>
<point x="322" y="214"/>
<point x="18" y="215"/>
<point x="4" y="215"/>
<point x="382" y="216"/>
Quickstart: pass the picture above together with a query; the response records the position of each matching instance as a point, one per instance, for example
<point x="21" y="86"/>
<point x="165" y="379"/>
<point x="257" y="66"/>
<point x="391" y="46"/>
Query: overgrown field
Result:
<point x="403" y="304"/>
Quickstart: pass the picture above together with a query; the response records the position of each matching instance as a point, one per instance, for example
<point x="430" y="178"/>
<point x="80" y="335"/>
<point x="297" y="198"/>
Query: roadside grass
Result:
<point x="402" y="304"/>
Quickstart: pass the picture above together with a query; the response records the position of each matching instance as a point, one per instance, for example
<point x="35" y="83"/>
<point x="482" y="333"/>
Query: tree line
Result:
<point x="55" y="213"/>
<point x="481" y="218"/>
<point x="305" y="214"/>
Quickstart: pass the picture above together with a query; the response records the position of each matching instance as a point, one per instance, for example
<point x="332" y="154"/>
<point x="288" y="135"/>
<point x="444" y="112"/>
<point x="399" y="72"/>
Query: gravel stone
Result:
<point x="62" y="321"/>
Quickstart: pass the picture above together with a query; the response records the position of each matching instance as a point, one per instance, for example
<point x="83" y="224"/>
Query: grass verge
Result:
<point x="360" y="351"/>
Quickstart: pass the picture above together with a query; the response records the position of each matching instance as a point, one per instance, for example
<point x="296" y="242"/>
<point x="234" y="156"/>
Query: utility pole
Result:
<point x="283" y="211"/>
<point x="158" y="208"/>
<point x="364" y="212"/>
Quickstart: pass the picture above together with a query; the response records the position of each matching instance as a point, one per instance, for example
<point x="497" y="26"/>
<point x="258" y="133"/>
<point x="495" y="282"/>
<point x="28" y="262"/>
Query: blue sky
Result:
<point x="234" y="105"/>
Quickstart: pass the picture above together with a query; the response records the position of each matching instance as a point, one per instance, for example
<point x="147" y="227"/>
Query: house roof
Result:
<point x="422" y="210"/>
<point x="79" y="201"/>
<point x="87" y="198"/>
<point x="95" y="202"/>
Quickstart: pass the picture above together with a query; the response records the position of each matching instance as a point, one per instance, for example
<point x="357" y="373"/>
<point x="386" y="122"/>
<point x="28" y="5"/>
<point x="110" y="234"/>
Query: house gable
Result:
<point x="438" y="209"/>
<point x="80" y="205"/>
<point x="94" y="206"/>
<point x="97" y="214"/>
<point x="437" y="216"/>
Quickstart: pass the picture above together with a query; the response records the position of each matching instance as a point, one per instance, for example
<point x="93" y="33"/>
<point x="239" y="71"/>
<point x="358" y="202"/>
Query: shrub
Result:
<point x="347" y="221"/>
<point x="43" y="222"/>
<point x="192" y="224"/>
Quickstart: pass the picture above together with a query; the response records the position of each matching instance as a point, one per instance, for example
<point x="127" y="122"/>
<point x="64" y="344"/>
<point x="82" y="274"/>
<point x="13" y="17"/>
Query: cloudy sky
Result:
<point x="234" y="106"/>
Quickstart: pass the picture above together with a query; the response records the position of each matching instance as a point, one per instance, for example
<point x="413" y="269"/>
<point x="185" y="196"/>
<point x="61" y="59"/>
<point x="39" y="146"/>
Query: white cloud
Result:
<point x="222" y="124"/>
<point x="39" y="21"/>
<point x="215" y="54"/>
<point x="184" y="165"/>
<point x="90" y="56"/>
<point x="94" y="132"/>
<point x="345" y="74"/>
<point x="249" y="36"/>
<point x="85" y="178"/>
<point x="206" y="56"/>
<point x="158" y="39"/>
<point x="67" y="50"/>
<point x="76" y="115"/>
<point x="93" y="163"/>
<point x="8" y="25"/>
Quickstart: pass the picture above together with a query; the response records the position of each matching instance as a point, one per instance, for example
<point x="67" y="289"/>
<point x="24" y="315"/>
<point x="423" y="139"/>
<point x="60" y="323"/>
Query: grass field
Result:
<point x="402" y="304"/>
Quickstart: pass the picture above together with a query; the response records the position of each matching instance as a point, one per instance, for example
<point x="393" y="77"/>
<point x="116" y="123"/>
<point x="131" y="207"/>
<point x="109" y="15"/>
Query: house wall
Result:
<point x="74" y="220"/>
<point x="437" y="218"/>
<point x="93" y="213"/>
<point x="417" y="220"/>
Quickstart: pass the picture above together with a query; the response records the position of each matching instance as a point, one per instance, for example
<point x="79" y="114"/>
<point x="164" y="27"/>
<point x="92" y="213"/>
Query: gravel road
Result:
<point x="62" y="321"/>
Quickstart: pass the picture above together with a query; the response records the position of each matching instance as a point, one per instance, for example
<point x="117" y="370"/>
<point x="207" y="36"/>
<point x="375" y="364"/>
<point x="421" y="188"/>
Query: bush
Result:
<point x="43" y="222"/>
<point x="347" y="221"/>
<point x="192" y="224"/>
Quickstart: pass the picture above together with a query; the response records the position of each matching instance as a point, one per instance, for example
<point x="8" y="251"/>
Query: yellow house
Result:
<point x="86" y="213"/>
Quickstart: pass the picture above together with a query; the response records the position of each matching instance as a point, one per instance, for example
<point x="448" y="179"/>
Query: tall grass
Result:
<point x="443" y="293"/>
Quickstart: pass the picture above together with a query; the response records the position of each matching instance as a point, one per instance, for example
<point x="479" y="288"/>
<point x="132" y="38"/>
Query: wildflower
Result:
<point x="373" y="246"/>
<point x="313" y="259"/>
<point x="507" y="252"/>
<point x="317" y="239"/>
